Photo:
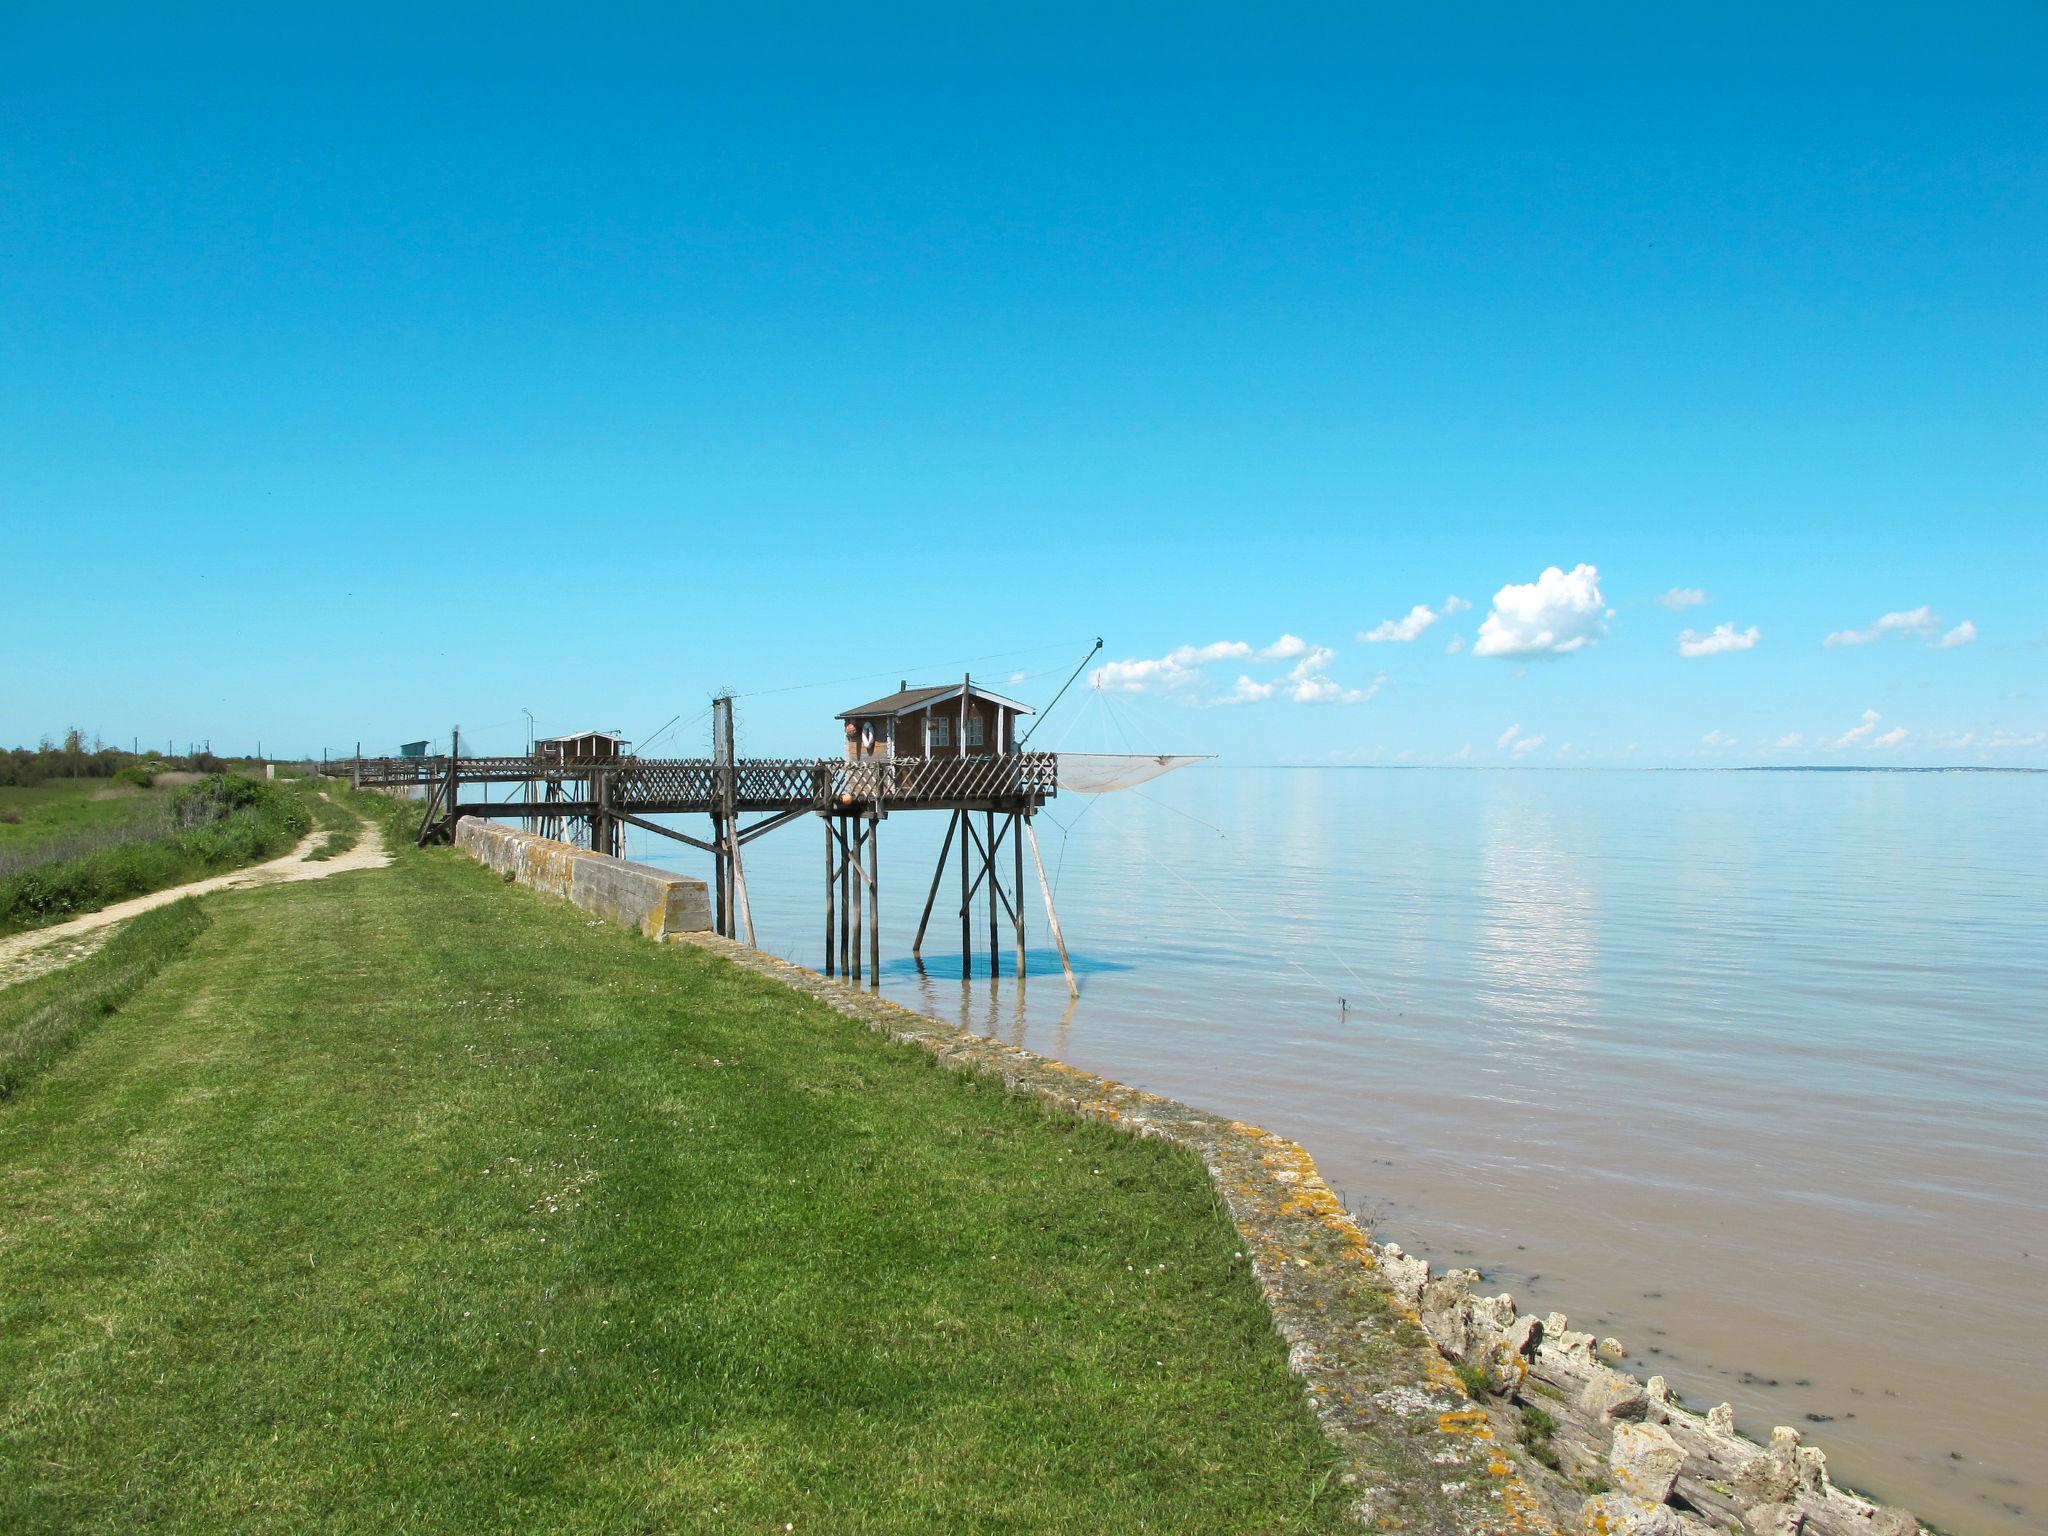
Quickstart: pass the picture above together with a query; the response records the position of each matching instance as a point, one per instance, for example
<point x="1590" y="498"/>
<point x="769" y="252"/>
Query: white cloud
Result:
<point x="1463" y="754"/>
<point x="1509" y="734"/>
<point x="1788" y="741"/>
<point x="1964" y="633"/>
<point x="1721" y="638"/>
<point x="1455" y="604"/>
<point x="1251" y="691"/>
<point x="1718" y="738"/>
<point x="1683" y="597"/>
<point x="1306" y="684"/>
<point x="1858" y="734"/>
<point x="1890" y="738"/>
<point x="1908" y="621"/>
<point x="1018" y="677"/>
<point x="1554" y="615"/>
<point x="1917" y="621"/>
<point x="1419" y="618"/>
<point x="1527" y="745"/>
<point x="1181" y="669"/>
<point x="1457" y="644"/>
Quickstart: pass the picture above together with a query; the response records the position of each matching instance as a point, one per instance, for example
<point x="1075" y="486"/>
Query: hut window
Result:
<point x="942" y="731"/>
<point x="974" y="737"/>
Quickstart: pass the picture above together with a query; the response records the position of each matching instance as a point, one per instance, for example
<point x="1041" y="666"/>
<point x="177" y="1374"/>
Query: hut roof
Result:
<point x="552" y="741"/>
<point x="908" y="700"/>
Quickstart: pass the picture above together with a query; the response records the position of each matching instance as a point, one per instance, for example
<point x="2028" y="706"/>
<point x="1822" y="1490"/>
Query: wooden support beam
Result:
<point x="859" y="936"/>
<point x="995" y="945"/>
<point x="654" y="826"/>
<point x="952" y="826"/>
<point x="875" y="901"/>
<point x="966" y="896"/>
<point x="1052" y="917"/>
<point x="831" y="960"/>
<point x="768" y="824"/>
<point x="1017" y="886"/>
<point x="845" y="896"/>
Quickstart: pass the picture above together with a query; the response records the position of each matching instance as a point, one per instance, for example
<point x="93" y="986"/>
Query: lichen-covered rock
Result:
<point x="1721" y="1419"/>
<point x="1645" y="1461"/>
<point x="1612" y="1349"/>
<point x="1772" y="1476"/>
<point x="1446" y="1314"/>
<point x="1774" y="1520"/>
<point x="1622" y="1514"/>
<point x="1611" y="1395"/>
<point x="1893" y="1522"/>
<point x="1404" y="1274"/>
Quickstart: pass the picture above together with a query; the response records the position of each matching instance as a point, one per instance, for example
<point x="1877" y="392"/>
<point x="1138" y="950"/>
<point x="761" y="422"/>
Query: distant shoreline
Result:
<point x="1645" y="768"/>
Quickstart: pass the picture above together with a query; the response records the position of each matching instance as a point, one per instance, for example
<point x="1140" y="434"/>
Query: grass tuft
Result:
<point x="43" y="1018"/>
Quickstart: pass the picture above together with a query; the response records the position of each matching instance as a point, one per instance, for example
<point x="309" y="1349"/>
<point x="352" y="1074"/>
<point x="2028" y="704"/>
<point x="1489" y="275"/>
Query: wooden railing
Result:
<point x="657" y="784"/>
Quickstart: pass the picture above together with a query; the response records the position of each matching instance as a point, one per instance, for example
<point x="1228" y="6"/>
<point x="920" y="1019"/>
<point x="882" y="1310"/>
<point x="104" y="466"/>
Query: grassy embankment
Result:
<point x="219" y="824"/>
<point x="42" y="821"/>
<point x="405" y="1200"/>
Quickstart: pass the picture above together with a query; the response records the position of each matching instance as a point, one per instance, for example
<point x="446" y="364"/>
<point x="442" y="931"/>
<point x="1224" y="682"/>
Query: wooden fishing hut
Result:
<point x="950" y="747"/>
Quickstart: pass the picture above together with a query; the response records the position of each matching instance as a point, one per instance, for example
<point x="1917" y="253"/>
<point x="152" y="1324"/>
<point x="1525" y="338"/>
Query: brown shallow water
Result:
<point x="1747" y="1070"/>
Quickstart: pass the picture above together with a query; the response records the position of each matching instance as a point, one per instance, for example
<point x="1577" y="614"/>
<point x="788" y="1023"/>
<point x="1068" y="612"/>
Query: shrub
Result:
<point x="221" y="823"/>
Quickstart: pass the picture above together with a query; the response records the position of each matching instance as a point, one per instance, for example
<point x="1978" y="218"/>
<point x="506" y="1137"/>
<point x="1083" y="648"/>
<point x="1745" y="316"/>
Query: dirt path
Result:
<point x="23" y="955"/>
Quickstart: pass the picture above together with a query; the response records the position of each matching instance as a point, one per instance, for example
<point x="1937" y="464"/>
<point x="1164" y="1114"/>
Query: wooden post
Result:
<point x="1052" y="917"/>
<point x="995" y="947"/>
<point x="355" y="769"/>
<point x="831" y="960"/>
<point x="966" y="897"/>
<point x="720" y="879"/>
<point x="845" y="894"/>
<point x="952" y="826"/>
<point x="739" y="882"/>
<point x="853" y="967"/>
<point x="875" y="901"/>
<point x="1017" y="886"/>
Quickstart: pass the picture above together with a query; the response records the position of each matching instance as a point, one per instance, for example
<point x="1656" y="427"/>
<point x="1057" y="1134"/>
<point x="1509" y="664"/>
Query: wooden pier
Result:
<point x="590" y="795"/>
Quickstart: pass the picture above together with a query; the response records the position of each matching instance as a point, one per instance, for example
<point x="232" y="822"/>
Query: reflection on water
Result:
<point x="1747" y="1069"/>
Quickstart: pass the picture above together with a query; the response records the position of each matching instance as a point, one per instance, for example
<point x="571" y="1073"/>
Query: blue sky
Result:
<point x="365" y="374"/>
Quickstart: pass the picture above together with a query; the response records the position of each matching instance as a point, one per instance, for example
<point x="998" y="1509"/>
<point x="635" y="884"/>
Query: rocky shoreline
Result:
<point x="1648" y="1463"/>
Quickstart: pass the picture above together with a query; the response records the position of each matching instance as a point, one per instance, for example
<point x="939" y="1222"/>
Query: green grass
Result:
<point x="229" y="822"/>
<point x="41" y="1019"/>
<point x="31" y="818"/>
<point x="405" y="1201"/>
<point x="341" y="827"/>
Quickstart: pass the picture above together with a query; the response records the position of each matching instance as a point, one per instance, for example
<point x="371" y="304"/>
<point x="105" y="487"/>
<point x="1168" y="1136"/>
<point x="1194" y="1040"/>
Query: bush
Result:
<point x="221" y="823"/>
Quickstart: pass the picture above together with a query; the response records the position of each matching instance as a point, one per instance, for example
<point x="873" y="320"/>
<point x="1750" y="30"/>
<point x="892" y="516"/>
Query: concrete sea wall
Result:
<point x="654" y="901"/>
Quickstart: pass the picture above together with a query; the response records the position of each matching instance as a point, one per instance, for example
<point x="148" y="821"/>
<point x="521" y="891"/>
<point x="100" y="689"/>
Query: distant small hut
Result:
<point x="412" y="749"/>
<point x="947" y="720"/>
<point x="582" y="750"/>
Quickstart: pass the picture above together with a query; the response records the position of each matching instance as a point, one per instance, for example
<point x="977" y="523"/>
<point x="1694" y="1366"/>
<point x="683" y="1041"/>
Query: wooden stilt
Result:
<point x="845" y="895"/>
<point x="1052" y="918"/>
<point x="995" y="944"/>
<point x="938" y="874"/>
<point x="831" y="967"/>
<point x="1017" y="886"/>
<point x="875" y="901"/>
<point x="739" y="881"/>
<point x="966" y="892"/>
<point x="853" y="969"/>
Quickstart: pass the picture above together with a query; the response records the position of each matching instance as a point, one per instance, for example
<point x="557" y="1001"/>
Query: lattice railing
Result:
<point x="694" y="782"/>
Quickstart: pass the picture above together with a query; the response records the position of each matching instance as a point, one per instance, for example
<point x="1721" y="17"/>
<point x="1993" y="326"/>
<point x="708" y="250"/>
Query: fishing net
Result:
<point x="1096" y="773"/>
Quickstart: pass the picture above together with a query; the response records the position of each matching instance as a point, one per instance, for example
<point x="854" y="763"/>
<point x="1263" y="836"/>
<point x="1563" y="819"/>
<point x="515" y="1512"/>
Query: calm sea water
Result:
<point x="1749" y="1070"/>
